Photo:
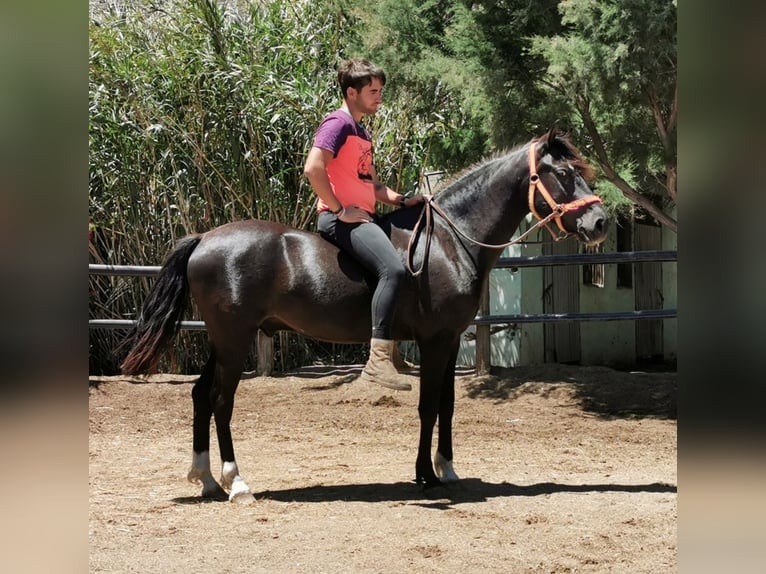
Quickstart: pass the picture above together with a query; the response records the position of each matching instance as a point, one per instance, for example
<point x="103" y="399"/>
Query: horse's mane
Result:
<point x="559" y="145"/>
<point x="473" y="168"/>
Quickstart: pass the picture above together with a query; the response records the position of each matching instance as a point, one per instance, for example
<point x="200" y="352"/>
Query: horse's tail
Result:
<point x="162" y="311"/>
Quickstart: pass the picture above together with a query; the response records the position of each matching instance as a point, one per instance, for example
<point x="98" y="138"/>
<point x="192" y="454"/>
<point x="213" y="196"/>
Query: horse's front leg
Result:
<point x="203" y="412"/>
<point x="432" y="365"/>
<point x="443" y="457"/>
<point x="424" y="471"/>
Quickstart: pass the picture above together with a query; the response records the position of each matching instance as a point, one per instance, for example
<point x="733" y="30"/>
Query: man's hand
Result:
<point x="354" y="214"/>
<point x="417" y="199"/>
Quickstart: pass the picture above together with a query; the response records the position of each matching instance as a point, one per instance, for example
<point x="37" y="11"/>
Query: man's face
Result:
<point x="368" y="99"/>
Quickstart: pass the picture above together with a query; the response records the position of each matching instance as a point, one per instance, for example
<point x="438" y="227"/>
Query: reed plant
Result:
<point x="201" y="113"/>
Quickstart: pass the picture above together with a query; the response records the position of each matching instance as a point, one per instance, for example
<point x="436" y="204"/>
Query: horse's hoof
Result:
<point x="444" y="469"/>
<point x="242" y="497"/>
<point x="429" y="482"/>
<point x="240" y="492"/>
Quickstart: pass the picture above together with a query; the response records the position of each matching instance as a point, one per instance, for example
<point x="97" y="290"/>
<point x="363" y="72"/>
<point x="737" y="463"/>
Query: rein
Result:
<point x="535" y="184"/>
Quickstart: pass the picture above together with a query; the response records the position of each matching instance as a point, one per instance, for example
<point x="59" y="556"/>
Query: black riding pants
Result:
<point x="368" y="244"/>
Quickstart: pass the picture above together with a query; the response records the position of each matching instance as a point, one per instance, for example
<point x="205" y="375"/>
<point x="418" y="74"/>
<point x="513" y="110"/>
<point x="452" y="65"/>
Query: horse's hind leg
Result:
<point x="228" y="370"/>
<point x="203" y="412"/>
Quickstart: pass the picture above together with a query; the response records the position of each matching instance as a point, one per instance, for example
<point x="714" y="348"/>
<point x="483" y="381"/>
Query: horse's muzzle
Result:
<point x="592" y="226"/>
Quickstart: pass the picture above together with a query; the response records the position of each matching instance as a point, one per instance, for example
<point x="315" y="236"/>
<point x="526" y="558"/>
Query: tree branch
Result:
<point x="664" y="128"/>
<point x="611" y="174"/>
<point x="659" y="121"/>
<point x="673" y="117"/>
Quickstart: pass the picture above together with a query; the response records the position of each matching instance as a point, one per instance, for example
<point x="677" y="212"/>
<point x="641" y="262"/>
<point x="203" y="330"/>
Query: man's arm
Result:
<point x="315" y="169"/>
<point x="385" y="194"/>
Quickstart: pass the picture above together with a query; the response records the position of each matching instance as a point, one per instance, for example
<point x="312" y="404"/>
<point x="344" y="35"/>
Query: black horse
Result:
<point x="251" y="275"/>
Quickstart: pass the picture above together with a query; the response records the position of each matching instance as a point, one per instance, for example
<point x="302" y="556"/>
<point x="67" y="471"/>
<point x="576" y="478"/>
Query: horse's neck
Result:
<point x="488" y="206"/>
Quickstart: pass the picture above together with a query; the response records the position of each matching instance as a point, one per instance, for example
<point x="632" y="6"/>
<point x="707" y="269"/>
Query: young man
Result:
<point x="340" y="169"/>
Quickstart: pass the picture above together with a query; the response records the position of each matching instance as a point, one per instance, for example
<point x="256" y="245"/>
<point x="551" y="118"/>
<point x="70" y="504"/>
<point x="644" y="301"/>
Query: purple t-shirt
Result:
<point x="335" y="128"/>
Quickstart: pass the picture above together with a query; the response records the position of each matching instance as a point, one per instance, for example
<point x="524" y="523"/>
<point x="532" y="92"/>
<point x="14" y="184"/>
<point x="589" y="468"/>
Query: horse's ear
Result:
<point x="546" y="141"/>
<point x="550" y="137"/>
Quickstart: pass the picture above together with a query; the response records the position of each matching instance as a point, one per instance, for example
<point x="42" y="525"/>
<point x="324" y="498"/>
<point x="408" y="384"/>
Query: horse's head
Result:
<point x="558" y="189"/>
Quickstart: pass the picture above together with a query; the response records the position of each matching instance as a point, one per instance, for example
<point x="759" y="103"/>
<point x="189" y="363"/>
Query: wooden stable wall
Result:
<point x="561" y="294"/>
<point x="648" y="290"/>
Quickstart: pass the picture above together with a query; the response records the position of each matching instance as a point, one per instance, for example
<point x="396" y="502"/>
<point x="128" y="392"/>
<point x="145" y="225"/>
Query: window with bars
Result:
<point x="593" y="274"/>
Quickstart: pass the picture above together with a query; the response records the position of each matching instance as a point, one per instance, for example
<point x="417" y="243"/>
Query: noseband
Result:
<point x="535" y="184"/>
<point x="557" y="209"/>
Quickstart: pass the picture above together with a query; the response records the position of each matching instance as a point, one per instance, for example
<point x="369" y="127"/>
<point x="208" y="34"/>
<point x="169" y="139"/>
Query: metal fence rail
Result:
<point x="128" y="323"/>
<point x="587" y="259"/>
<point x="560" y="317"/>
<point x="124" y="270"/>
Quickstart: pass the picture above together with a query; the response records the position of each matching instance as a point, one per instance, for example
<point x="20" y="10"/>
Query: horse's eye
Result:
<point x="561" y="172"/>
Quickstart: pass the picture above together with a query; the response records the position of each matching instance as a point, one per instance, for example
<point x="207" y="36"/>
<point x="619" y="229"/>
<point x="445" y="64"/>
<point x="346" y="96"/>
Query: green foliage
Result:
<point x="487" y="75"/>
<point x="616" y="64"/>
<point x="467" y="70"/>
<point x="200" y="114"/>
<point x="410" y="41"/>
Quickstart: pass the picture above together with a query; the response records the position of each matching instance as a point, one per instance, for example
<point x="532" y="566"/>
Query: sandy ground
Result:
<point x="563" y="468"/>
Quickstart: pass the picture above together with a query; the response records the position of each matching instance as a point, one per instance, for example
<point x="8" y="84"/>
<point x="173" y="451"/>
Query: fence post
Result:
<point x="264" y="354"/>
<point x="482" y="334"/>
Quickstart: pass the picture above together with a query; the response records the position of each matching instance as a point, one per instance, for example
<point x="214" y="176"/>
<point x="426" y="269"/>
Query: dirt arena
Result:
<point x="563" y="468"/>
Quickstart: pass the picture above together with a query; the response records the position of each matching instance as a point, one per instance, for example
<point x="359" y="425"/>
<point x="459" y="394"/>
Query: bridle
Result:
<point x="535" y="185"/>
<point x="557" y="209"/>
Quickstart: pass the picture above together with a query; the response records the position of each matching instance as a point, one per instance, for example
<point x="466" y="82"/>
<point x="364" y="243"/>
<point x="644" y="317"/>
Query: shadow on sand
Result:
<point x="467" y="490"/>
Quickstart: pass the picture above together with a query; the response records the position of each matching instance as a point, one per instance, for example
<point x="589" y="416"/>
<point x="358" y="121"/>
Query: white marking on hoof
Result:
<point x="230" y="479"/>
<point x="444" y="470"/>
<point x="200" y="473"/>
<point x="240" y="492"/>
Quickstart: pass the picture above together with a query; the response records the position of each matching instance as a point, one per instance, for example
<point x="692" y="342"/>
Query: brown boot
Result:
<point x="379" y="368"/>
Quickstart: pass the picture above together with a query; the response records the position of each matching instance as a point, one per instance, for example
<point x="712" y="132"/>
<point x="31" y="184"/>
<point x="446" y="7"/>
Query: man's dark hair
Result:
<point x="358" y="73"/>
